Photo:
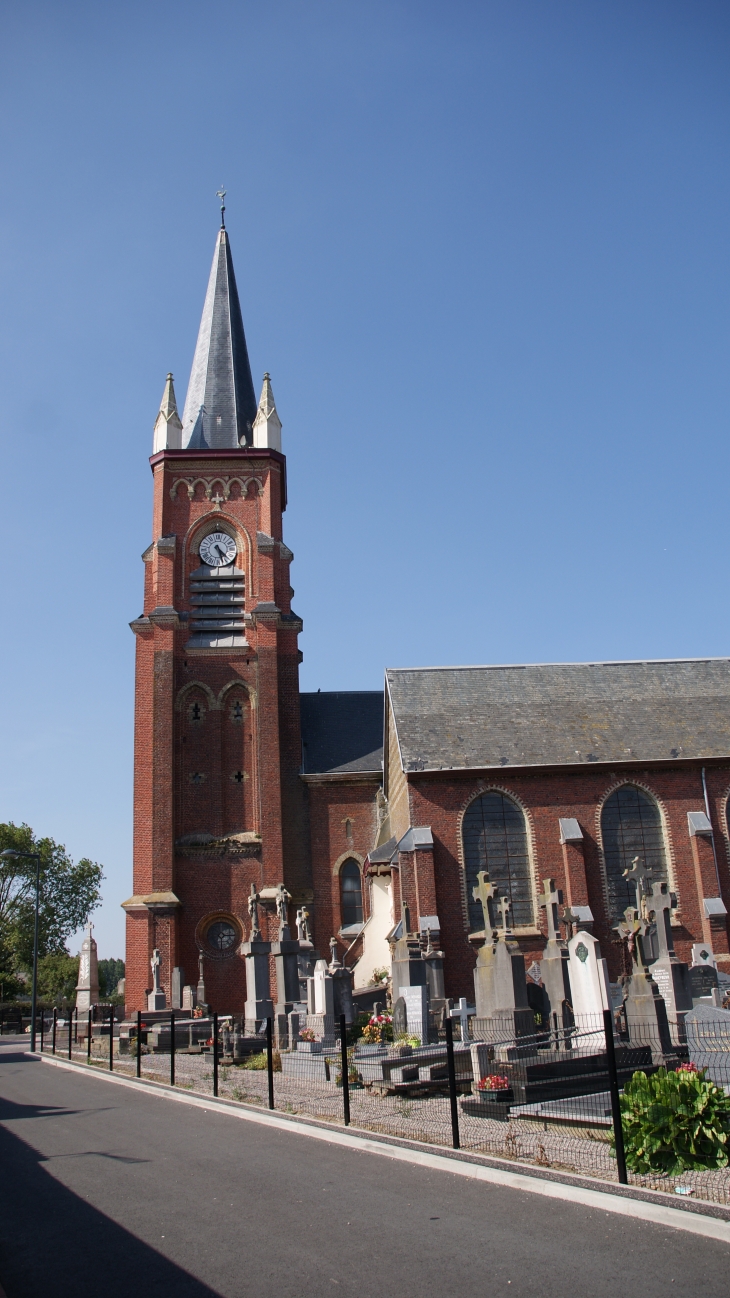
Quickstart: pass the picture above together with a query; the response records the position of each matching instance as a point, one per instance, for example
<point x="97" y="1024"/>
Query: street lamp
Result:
<point x="10" y="854"/>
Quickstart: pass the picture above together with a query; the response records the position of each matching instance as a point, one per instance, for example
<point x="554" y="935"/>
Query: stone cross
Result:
<point x="253" y="910"/>
<point x="659" y="906"/>
<point x="282" y="900"/>
<point x="461" y="1012"/>
<point x="504" y="909"/>
<point x="640" y="877"/>
<point x="333" y="951"/>
<point x="549" y="900"/>
<point x="155" y="963"/>
<point x="484" y="892"/>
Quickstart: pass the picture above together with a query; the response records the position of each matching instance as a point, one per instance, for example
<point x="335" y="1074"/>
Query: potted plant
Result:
<point x="494" y="1087"/>
<point x="308" y="1042"/>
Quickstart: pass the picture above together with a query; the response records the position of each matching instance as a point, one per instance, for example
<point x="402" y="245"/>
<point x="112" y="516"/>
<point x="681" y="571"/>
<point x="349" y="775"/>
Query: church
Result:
<point x="372" y="813"/>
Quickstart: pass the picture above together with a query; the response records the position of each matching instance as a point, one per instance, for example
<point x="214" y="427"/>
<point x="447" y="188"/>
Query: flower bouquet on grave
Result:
<point x="493" y="1087"/>
<point x="307" y="1034"/>
<point x="308" y="1044"/>
<point x="354" y="1078"/>
<point x="378" y="1029"/>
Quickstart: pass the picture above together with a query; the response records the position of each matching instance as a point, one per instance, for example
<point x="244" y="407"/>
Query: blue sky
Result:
<point x="483" y="250"/>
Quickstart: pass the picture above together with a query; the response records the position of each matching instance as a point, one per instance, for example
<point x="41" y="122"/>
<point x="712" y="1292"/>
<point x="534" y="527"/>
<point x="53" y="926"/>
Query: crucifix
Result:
<point x="221" y="194"/>
<point x="483" y="893"/>
<point x="549" y="900"/>
<point x="504" y="909"/>
<point x="632" y="929"/>
<point x="570" y="921"/>
<point x="640" y="877"/>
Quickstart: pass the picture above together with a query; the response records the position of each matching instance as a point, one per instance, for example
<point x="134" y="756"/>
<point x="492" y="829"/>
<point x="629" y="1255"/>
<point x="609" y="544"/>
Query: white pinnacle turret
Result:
<point x="267" y="424"/>
<point x="168" y="429"/>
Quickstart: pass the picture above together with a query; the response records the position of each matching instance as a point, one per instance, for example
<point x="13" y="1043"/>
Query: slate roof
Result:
<point x="342" y="732"/>
<point x="220" y="406"/>
<point x="549" y="714"/>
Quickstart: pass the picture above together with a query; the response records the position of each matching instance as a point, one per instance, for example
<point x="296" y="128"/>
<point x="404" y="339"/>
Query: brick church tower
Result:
<point x="217" y="796"/>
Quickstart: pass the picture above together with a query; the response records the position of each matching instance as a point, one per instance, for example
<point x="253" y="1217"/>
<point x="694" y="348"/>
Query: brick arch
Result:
<point x="347" y="856"/>
<point x="196" y="685"/>
<point x="232" y="685"/>
<point x="724" y="799"/>
<point x="666" y="832"/>
<point x="211" y="521"/>
<point x="484" y="787"/>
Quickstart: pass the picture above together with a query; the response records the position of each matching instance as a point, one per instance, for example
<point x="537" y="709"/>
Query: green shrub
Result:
<point x="260" y="1061"/>
<point x="675" y="1122"/>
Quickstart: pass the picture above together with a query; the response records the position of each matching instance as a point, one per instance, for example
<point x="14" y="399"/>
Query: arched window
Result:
<point x="631" y="825"/>
<point x="495" y="840"/>
<point x="350" y="893"/>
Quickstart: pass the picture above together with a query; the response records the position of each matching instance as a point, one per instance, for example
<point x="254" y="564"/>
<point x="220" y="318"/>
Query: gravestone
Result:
<point x="670" y="974"/>
<point x="409" y="969"/>
<point x="646" y="1013"/>
<point x="321" y="1019"/>
<point x="555" y="963"/>
<point x="500" y="987"/>
<point x="590" y="989"/>
<point x="416" y="1003"/>
<point x="258" y="1004"/>
<point x="433" y="959"/>
<point x="703" y="981"/>
<point x="201" y="996"/>
<point x="286" y="963"/>
<point x="707" y="1030"/>
<point x="189" y="998"/>
<point x="176" y="988"/>
<point x="342" y="979"/>
<point x="400" y="1018"/>
<point x="87" y="987"/>
<point x="156" y="998"/>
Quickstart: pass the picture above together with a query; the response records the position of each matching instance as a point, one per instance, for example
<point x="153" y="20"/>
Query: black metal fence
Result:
<point x="642" y="1106"/>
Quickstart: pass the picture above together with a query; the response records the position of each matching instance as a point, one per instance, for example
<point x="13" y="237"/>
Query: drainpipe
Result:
<point x="709" y="817"/>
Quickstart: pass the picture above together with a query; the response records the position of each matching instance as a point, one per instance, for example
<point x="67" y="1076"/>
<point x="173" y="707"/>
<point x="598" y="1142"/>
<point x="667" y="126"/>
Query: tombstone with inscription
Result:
<point x="589" y="987"/>
<point x="416" y="1002"/>
<point x="87" y="987"/>
<point x="500" y="987"/>
<point x="400" y="1019"/>
<point x="156" y="998"/>
<point x="670" y="974"/>
<point x="646" y="1013"/>
<point x="342" y="978"/>
<point x="256" y="951"/>
<point x="555" y="963"/>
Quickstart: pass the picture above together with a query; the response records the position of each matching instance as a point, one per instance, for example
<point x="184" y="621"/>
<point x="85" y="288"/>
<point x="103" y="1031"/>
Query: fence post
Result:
<point x="452" y="1083"/>
<point x="270" y="1060"/>
<point x="88" y="1041"/>
<point x="111" y="1038"/>
<point x="43" y="1027"/>
<point x="345" y="1070"/>
<point x="139" y="1043"/>
<point x="53" y="1038"/>
<point x="76" y="1026"/>
<point x="172" y="1048"/>
<point x="618" y="1130"/>
<point x="215" y="1053"/>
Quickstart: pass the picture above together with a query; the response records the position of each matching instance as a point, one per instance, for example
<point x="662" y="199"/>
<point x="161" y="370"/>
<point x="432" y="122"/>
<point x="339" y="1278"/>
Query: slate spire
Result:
<point x="220" y="406"/>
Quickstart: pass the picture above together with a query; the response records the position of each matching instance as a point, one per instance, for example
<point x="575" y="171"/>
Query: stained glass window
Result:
<point x="350" y="893"/>
<point x="631" y="825"/>
<point x="495" y="839"/>
<point x="222" y="936"/>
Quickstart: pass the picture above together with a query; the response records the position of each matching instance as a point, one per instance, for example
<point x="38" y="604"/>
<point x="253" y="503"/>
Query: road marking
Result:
<point x="603" y="1200"/>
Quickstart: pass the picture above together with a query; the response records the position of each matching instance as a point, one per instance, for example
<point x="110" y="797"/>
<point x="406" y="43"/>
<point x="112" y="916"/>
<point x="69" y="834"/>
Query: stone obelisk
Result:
<point x="87" y="988"/>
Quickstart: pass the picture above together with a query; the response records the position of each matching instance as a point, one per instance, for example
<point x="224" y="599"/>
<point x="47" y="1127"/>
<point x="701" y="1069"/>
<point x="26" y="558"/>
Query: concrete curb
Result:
<point x="707" y="1219"/>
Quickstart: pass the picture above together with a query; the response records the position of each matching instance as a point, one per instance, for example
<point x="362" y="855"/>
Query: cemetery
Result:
<point x="554" y="1065"/>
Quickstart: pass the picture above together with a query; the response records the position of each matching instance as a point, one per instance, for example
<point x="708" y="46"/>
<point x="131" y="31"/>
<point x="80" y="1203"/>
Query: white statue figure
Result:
<point x="155" y="963"/>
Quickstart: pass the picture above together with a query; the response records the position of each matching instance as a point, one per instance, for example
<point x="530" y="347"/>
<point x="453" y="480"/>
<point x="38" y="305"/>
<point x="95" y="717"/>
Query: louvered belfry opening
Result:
<point x="217" y="597"/>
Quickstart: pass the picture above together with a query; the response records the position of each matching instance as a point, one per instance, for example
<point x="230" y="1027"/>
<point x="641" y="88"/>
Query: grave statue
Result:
<point x="500" y="985"/>
<point x="303" y="933"/>
<point x="156" y="998"/>
<point x="670" y="974"/>
<point x="253" y="910"/>
<point x="555" y="963"/>
<point x="646" y="1013"/>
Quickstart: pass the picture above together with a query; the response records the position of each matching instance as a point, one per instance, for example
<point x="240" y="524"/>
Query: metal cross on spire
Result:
<point x="221" y="194"/>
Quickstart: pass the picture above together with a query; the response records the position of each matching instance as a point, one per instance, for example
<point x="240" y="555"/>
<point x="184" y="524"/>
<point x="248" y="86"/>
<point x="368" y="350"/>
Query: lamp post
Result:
<point x="10" y="854"/>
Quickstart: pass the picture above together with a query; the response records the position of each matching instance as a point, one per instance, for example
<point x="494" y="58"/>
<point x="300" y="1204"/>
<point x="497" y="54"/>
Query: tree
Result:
<point x="58" y="974"/>
<point x="110" y="971"/>
<point x="69" y="892"/>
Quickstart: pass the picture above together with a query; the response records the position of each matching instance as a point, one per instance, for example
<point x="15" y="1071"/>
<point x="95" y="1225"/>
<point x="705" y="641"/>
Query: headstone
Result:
<point x="555" y="963"/>
<point x="409" y="969"/>
<point x="590" y="989"/>
<point x="500" y="988"/>
<point x="176" y="988"/>
<point x="671" y="976"/>
<point x="87" y="987"/>
<point x="703" y="982"/>
<point x="703" y="955"/>
<point x="707" y="1029"/>
<point x="342" y="979"/>
<point x="202" y="998"/>
<point x="156" y="998"/>
<point x="286" y="962"/>
<point x="646" y="1013"/>
<point x="433" y="960"/>
<point x="258" y="1005"/>
<point x="400" y="1018"/>
<point x="322" y="1018"/>
<point x="189" y="998"/>
<point x="416" y="1003"/>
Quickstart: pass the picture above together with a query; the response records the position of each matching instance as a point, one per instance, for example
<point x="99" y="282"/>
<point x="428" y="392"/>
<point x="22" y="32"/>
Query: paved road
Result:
<point x="106" y="1191"/>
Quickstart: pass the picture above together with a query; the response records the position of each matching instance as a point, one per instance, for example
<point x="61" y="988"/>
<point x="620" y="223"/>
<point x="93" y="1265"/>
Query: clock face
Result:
<point x="218" y="549"/>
